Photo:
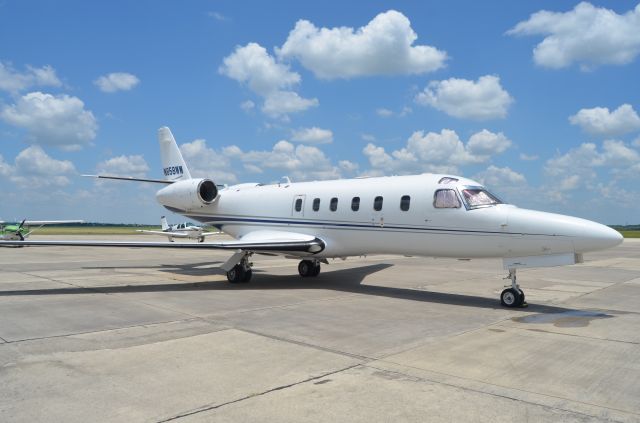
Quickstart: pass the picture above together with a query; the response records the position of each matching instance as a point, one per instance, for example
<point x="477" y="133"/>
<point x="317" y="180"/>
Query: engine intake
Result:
<point x="188" y="194"/>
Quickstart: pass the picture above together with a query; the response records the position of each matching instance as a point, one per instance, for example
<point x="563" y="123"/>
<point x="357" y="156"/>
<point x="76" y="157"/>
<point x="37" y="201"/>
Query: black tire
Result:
<point x="316" y="270"/>
<point x="510" y="298"/>
<point x="247" y="276"/>
<point x="305" y="268"/>
<point x="521" y="301"/>
<point x="236" y="274"/>
<point x="201" y="239"/>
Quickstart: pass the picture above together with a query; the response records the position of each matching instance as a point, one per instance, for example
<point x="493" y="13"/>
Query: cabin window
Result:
<point x="299" y="204"/>
<point x="478" y="197"/>
<point x="377" y="203"/>
<point x="355" y="204"/>
<point x="446" y="199"/>
<point x="405" y="201"/>
<point x="333" y="205"/>
<point x="316" y="204"/>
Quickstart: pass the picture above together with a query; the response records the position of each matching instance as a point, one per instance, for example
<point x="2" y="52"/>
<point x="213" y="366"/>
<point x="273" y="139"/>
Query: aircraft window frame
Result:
<point x="378" y="203"/>
<point x="405" y="202"/>
<point x="298" y="205"/>
<point x="333" y="204"/>
<point x="469" y="206"/>
<point x="355" y="204"/>
<point x="316" y="204"/>
<point x="456" y="196"/>
<point x="447" y="180"/>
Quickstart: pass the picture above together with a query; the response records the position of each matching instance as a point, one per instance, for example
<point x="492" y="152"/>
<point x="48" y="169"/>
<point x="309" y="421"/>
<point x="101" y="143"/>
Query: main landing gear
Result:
<point x="241" y="272"/>
<point x="514" y="296"/>
<point x="309" y="268"/>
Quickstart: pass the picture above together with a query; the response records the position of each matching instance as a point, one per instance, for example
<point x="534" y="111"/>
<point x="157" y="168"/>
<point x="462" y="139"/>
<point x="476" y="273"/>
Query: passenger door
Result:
<point x="297" y="208"/>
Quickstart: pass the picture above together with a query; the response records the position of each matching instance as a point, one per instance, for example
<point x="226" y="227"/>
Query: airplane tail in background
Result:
<point x="173" y="166"/>
<point x="164" y="224"/>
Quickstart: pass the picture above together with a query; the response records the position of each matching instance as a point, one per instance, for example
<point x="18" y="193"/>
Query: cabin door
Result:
<point x="297" y="208"/>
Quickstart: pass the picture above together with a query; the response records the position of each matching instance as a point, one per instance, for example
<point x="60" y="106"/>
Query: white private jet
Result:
<point x="181" y="230"/>
<point x="421" y="215"/>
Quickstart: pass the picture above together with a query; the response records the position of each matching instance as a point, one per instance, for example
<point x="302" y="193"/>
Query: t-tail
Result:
<point x="173" y="166"/>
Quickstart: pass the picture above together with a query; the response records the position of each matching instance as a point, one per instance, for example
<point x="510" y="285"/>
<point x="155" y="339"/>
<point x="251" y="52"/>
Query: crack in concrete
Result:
<point x="268" y="391"/>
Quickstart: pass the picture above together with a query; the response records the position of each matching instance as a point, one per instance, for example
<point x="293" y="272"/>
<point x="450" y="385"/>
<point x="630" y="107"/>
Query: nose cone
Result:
<point x="595" y="236"/>
<point x="560" y="233"/>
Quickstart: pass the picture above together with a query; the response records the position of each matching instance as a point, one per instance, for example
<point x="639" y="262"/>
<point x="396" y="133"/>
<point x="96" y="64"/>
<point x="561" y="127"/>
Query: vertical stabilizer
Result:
<point x="173" y="166"/>
<point x="164" y="224"/>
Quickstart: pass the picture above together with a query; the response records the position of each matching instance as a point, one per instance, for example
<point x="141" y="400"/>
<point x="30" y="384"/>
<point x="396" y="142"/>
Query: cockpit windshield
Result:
<point x="479" y="197"/>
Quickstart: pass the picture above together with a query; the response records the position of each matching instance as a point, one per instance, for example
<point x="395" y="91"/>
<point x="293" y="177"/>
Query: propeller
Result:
<point x="19" y="231"/>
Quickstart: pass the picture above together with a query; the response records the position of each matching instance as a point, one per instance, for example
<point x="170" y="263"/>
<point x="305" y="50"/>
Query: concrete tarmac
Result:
<point x="97" y="334"/>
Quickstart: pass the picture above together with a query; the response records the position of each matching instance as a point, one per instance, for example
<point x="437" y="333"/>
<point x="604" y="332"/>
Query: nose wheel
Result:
<point x="513" y="296"/>
<point x="309" y="268"/>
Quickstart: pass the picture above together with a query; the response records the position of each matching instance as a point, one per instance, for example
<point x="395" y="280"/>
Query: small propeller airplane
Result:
<point x="181" y="230"/>
<point x="22" y="230"/>
<point x="431" y="215"/>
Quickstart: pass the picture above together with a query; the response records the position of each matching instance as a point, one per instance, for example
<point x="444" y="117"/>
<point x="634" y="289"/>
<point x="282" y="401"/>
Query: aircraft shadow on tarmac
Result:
<point x="343" y="280"/>
<point x="188" y="269"/>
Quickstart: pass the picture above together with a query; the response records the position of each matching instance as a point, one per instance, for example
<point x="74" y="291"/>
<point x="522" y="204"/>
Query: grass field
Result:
<point x="93" y="230"/>
<point x="630" y="234"/>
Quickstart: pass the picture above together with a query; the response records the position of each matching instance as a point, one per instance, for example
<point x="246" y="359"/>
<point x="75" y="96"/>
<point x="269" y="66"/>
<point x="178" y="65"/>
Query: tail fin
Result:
<point x="164" y="224"/>
<point x="174" y="167"/>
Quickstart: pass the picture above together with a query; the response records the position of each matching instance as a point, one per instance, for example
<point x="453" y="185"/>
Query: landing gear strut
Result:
<point x="514" y="296"/>
<point x="241" y="272"/>
<point x="309" y="268"/>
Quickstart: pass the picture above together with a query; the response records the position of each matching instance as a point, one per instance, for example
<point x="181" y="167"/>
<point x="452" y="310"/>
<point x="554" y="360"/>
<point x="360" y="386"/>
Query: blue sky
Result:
<point x="538" y="100"/>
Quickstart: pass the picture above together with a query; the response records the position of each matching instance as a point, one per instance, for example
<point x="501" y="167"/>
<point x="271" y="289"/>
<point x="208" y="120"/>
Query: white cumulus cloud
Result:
<point x="254" y="66"/>
<point x="135" y="166"/>
<point x="33" y="168"/>
<point x="14" y="81"/>
<point x="587" y="35"/>
<point x="600" y="121"/>
<point x="59" y="120"/>
<point x="313" y="135"/>
<point x="436" y="152"/>
<point x="205" y="162"/>
<point x="279" y="104"/>
<point x="382" y="47"/>
<point x="495" y="176"/>
<point x="466" y="99"/>
<point x="116" y="81"/>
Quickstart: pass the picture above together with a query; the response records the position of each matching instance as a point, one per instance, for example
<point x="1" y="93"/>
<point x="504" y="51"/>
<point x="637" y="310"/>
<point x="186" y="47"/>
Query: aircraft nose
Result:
<point x="595" y="236"/>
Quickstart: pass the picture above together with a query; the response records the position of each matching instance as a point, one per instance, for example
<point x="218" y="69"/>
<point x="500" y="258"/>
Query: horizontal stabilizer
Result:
<point x="131" y="178"/>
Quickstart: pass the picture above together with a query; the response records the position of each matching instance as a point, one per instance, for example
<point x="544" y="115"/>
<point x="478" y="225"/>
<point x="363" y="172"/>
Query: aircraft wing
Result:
<point x="50" y="222"/>
<point x="171" y="234"/>
<point x="257" y="241"/>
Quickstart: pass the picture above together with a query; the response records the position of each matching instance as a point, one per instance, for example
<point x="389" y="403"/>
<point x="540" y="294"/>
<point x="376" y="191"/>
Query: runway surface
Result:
<point x="89" y="334"/>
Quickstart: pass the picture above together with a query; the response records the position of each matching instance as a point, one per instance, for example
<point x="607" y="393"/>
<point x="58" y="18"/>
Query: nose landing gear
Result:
<point x="514" y="296"/>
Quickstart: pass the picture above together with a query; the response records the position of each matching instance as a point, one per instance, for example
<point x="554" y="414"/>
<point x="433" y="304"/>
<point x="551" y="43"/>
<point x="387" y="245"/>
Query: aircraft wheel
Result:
<point x="201" y="239"/>
<point x="236" y="274"/>
<point x="316" y="269"/>
<point x="511" y="298"/>
<point x="305" y="268"/>
<point x="247" y="275"/>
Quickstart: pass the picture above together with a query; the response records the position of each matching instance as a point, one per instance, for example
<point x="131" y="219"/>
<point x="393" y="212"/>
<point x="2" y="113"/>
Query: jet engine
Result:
<point x="188" y="194"/>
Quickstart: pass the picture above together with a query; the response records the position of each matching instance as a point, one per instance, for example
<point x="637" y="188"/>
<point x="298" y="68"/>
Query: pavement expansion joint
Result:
<point x="306" y="344"/>
<point x="268" y="391"/>
<point x="506" y="389"/>
<point x="65" y="335"/>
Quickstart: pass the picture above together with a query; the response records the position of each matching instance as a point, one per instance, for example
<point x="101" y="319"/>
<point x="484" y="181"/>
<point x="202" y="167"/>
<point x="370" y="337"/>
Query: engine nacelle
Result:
<point x="188" y="194"/>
